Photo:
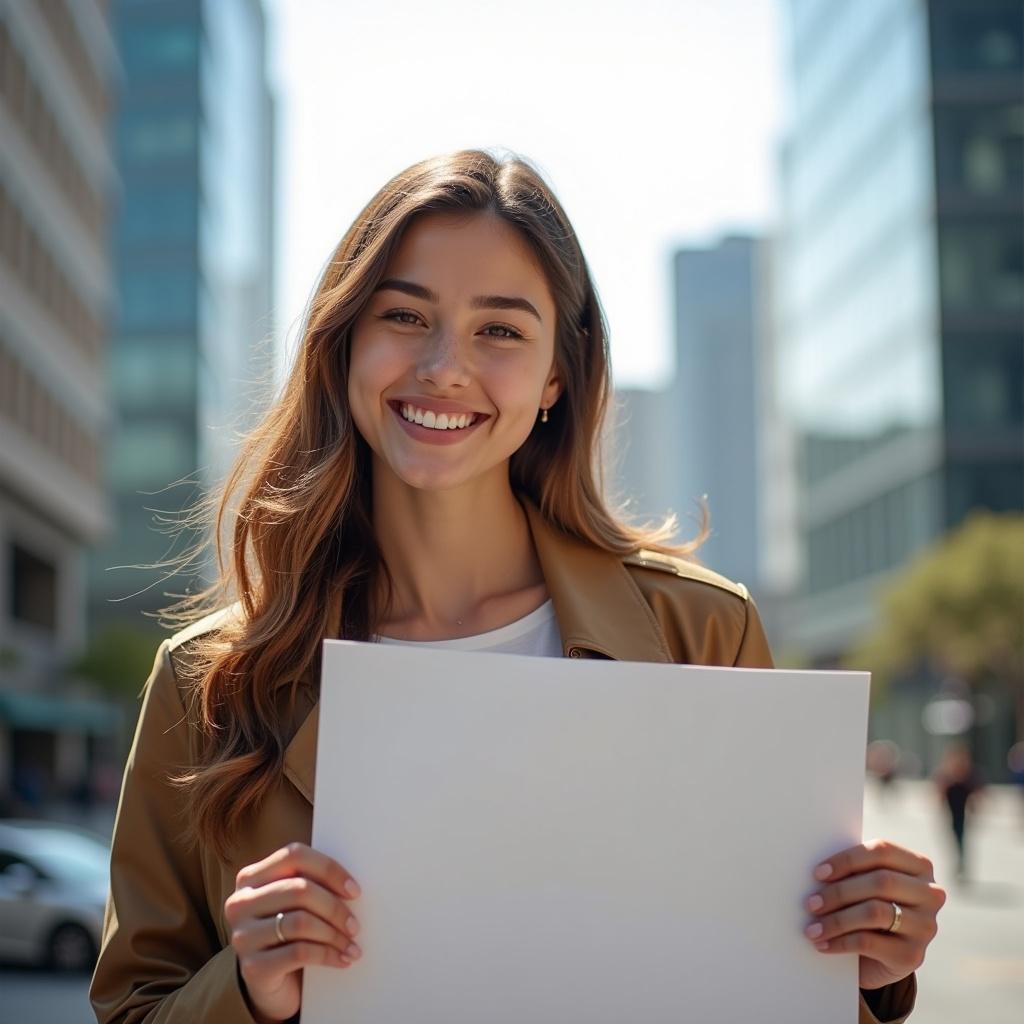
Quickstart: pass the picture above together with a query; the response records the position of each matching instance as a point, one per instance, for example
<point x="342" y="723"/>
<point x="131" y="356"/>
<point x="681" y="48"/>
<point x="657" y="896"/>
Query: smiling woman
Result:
<point x="430" y="475"/>
<point x="446" y="355"/>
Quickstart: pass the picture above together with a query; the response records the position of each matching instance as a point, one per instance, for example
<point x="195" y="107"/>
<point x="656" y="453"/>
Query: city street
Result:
<point x="975" y="966"/>
<point x="974" y="970"/>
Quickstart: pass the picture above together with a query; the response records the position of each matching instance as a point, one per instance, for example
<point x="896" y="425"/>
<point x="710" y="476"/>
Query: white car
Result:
<point x="53" y="888"/>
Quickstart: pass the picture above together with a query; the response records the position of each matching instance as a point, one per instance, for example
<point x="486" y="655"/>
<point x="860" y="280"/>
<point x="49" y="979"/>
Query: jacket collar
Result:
<point x="599" y="609"/>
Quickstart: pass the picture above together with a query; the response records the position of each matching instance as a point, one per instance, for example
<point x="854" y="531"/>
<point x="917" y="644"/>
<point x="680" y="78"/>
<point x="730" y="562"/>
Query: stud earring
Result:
<point x="543" y="415"/>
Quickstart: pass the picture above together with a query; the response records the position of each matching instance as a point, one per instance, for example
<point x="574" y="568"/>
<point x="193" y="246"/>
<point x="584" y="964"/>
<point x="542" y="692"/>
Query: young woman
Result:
<point x="429" y="475"/>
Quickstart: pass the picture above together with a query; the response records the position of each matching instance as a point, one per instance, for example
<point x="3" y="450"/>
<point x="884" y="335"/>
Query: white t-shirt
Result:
<point x="535" y="633"/>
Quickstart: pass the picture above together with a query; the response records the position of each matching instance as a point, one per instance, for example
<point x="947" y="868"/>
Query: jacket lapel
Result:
<point x="599" y="609"/>
<point x="300" y="755"/>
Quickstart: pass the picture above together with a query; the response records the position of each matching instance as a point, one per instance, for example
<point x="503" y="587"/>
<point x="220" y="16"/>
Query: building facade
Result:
<point x="700" y="438"/>
<point x="193" y="247"/>
<point x="58" y="181"/>
<point x="901" y="291"/>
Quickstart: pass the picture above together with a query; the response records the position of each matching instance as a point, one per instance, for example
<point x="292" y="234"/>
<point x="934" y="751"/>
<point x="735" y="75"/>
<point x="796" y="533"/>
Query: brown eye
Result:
<point x="395" y="313"/>
<point x="513" y="333"/>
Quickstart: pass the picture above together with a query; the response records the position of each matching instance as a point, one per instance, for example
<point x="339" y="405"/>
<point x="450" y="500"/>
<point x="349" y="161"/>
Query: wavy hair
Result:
<point x="303" y="530"/>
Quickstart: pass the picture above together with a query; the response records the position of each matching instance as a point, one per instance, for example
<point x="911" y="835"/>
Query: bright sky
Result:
<point x="656" y="122"/>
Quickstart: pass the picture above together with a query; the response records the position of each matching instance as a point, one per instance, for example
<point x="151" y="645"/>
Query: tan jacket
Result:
<point x="166" y="954"/>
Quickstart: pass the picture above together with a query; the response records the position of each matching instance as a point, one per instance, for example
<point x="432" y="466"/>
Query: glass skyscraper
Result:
<point x="193" y="249"/>
<point x="900" y="316"/>
<point x="901" y="281"/>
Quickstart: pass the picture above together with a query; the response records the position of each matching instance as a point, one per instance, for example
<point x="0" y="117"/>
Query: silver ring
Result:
<point x="897" y="918"/>
<point x="280" y="934"/>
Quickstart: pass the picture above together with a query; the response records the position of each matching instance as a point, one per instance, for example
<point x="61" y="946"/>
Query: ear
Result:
<point x="552" y="389"/>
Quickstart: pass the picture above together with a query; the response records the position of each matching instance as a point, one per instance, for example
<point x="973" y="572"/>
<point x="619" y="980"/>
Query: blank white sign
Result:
<point x="563" y="841"/>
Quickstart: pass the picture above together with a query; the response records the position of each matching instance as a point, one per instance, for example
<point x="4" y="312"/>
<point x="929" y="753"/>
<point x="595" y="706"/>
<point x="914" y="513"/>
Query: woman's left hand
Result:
<point x="853" y="909"/>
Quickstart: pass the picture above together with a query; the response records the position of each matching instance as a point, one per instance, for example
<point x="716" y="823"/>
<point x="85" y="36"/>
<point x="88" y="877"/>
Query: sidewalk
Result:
<point x="974" y="970"/>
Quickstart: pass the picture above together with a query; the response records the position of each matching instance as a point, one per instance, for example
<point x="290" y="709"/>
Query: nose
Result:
<point x="442" y="361"/>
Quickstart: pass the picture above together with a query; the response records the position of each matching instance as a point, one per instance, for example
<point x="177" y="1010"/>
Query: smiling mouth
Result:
<point x="440" y="422"/>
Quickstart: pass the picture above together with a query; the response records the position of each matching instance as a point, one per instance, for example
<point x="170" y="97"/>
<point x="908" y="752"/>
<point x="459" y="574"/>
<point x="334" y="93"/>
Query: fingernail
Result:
<point x="352" y="951"/>
<point x="351" y="889"/>
<point x="821" y="945"/>
<point x="813" y="931"/>
<point x="815" y="903"/>
<point x="352" y="926"/>
<point x="823" y="871"/>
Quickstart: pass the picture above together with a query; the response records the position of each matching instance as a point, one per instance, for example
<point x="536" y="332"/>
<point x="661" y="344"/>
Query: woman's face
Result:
<point x="433" y="341"/>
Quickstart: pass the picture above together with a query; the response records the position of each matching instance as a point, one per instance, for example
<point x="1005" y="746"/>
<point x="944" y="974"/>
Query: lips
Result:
<point x="436" y="422"/>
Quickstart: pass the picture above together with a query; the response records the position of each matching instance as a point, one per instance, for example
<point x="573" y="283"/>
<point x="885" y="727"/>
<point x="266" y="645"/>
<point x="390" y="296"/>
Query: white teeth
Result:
<point x="436" y="421"/>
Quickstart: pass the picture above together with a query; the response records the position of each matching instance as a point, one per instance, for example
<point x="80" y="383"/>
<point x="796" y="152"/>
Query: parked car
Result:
<point x="53" y="887"/>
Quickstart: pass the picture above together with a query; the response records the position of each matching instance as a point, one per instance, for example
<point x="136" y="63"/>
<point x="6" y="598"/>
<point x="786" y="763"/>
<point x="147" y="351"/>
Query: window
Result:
<point x="167" y="214"/>
<point x="154" y="372"/>
<point x="980" y="148"/>
<point x="972" y="36"/>
<point x="158" y="297"/>
<point x="150" y="456"/>
<point x="147" y="138"/>
<point x="151" y="48"/>
<point x="982" y="265"/>
<point x="33" y="583"/>
<point x="984" y="381"/>
<point x="997" y="486"/>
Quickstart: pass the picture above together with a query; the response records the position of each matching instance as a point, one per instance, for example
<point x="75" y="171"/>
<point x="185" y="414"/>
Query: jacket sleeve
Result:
<point x="892" y="1003"/>
<point x="754" y="651"/>
<point x="160" y="958"/>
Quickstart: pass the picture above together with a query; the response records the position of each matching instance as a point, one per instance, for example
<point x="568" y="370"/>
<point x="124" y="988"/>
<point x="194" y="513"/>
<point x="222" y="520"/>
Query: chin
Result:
<point x="428" y="478"/>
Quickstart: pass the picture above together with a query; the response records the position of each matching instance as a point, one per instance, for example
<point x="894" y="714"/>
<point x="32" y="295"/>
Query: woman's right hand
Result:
<point x="310" y="890"/>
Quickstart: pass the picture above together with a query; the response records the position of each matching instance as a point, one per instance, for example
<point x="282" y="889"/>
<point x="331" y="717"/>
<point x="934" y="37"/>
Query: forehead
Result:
<point x="457" y="254"/>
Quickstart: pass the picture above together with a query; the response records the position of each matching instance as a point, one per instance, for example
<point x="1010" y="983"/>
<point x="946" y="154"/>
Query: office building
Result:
<point x="900" y="325"/>
<point x="702" y="434"/>
<point x="193" y="245"/>
<point x="58" y="180"/>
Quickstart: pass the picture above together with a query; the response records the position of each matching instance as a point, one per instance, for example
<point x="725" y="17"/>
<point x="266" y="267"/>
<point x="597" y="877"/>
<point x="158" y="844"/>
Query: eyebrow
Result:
<point x="478" y="302"/>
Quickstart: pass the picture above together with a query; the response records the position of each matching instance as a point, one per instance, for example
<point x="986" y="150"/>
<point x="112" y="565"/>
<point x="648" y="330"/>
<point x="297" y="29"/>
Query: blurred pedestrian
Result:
<point x="883" y="761"/>
<point x="1015" y="762"/>
<point x="959" y="783"/>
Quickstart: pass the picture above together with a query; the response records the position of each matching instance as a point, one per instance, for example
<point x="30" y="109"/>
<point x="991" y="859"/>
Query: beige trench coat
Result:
<point x="166" y="954"/>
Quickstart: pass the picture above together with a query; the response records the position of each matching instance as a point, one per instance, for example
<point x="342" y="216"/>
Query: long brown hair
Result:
<point x="303" y="527"/>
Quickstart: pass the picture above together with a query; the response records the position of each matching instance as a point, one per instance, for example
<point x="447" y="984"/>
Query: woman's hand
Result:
<point x="309" y="889"/>
<point x="854" y="909"/>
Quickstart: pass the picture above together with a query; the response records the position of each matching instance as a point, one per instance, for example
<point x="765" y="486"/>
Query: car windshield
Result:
<point x="72" y="858"/>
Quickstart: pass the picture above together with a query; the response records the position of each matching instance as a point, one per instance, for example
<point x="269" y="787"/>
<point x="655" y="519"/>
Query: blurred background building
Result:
<point x="849" y="399"/>
<point x="705" y="435"/>
<point x="136" y="263"/>
<point x="900" y="303"/>
<point x="58" y="179"/>
<point x="193" y="248"/>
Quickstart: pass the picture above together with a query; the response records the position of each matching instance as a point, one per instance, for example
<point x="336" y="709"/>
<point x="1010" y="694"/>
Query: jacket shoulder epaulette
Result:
<point x="647" y="559"/>
<point x="205" y="625"/>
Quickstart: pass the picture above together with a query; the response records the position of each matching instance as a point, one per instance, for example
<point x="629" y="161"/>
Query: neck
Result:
<point x="450" y="552"/>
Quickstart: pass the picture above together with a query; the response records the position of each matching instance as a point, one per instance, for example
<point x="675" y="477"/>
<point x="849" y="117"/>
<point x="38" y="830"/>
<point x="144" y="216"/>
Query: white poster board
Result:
<point x="563" y="841"/>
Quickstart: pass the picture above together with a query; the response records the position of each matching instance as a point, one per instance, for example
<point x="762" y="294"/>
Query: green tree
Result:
<point x="959" y="608"/>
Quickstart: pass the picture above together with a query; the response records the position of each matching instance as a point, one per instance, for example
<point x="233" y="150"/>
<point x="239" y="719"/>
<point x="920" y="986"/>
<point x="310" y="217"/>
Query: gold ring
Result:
<point x="897" y="918"/>
<point x="280" y="934"/>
